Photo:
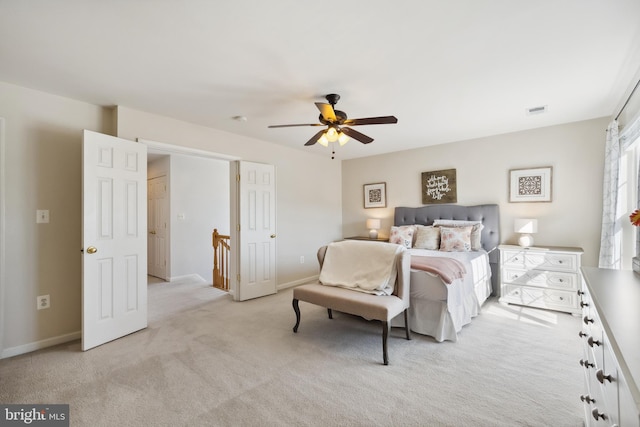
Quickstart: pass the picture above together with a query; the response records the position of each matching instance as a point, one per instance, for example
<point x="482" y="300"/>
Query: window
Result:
<point x="629" y="200"/>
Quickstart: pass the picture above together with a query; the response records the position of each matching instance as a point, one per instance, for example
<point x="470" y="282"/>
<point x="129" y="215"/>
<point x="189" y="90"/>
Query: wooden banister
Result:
<point x="221" y="249"/>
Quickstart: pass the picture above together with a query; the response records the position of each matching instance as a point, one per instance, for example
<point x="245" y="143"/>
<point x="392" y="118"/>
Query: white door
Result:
<point x="157" y="227"/>
<point x="257" y="235"/>
<point x="114" y="238"/>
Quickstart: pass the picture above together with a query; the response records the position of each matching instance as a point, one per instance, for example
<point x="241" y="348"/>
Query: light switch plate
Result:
<point x="42" y="216"/>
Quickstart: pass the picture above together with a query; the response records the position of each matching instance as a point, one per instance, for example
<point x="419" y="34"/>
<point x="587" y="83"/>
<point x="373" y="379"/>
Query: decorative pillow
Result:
<point x="455" y="239"/>
<point x="427" y="237"/>
<point x="476" y="244"/>
<point x="402" y="235"/>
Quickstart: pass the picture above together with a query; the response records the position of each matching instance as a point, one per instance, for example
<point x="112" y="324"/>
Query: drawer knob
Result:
<point x="587" y="320"/>
<point x="593" y="342"/>
<point x="586" y="364"/>
<point x="584" y="304"/>
<point x="582" y="334"/>
<point x="559" y="261"/>
<point x="580" y="292"/>
<point x="601" y="376"/>
<point x="598" y="415"/>
<point x="587" y="399"/>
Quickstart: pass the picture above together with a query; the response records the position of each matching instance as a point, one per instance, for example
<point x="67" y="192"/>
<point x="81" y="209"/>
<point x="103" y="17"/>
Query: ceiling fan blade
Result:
<point x="352" y="133"/>
<point x="327" y="111"/>
<point x="371" y="121"/>
<point x="290" y="126"/>
<point x="314" y="138"/>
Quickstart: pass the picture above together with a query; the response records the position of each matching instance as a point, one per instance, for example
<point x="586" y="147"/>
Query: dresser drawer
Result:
<point x="541" y="278"/>
<point x="551" y="261"/>
<point x="540" y="297"/>
<point x="542" y="260"/>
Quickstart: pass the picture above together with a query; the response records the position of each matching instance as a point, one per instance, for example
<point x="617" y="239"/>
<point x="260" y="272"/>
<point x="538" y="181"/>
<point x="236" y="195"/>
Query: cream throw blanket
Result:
<point x="361" y="266"/>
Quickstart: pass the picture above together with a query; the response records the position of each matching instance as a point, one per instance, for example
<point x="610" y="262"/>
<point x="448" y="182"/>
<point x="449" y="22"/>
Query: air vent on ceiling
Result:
<point x="537" y="110"/>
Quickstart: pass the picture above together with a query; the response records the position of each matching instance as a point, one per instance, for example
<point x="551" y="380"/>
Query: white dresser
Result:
<point x="610" y="334"/>
<point x="544" y="277"/>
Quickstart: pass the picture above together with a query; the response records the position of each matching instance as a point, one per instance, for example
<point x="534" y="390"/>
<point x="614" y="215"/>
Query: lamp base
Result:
<point x="373" y="234"/>
<point x="525" y="240"/>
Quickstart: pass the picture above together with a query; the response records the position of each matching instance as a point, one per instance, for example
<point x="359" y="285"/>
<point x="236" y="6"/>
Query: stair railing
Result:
<point x="221" y="249"/>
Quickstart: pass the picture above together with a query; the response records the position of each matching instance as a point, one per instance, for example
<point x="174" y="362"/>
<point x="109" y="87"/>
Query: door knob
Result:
<point x="152" y="232"/>
<point x="92" y="250"/>
<point x="273" y="236"/>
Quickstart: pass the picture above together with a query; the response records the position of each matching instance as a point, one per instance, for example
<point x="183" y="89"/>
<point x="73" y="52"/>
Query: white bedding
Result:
<point x="441" y="310"/>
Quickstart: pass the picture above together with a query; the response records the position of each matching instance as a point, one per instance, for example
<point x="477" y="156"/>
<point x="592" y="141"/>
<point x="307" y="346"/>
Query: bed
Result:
<point x="438" y="309"/>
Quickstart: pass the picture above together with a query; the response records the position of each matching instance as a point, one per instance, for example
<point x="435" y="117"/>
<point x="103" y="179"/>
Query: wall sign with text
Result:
<point x="439" y="187"/>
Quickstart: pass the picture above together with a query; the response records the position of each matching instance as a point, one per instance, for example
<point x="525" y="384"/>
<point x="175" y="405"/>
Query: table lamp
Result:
<point x="526" y="227"/>
<point x="373" y="225"/>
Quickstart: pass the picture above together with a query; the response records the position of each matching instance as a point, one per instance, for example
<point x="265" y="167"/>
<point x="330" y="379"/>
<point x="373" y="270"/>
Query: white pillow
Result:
<point x="476" y="234"/>
<point x="427" y="237"/>
<point x="402" y="235"/>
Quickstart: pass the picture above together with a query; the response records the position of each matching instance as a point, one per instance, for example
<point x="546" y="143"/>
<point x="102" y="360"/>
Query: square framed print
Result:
<point x="530" y="185"/>
<point x="375" y="195"/>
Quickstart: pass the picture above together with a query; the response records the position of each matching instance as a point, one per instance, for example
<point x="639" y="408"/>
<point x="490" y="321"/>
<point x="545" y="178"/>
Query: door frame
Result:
<point x="155" y="147"/>
<point x="2" y="234"/>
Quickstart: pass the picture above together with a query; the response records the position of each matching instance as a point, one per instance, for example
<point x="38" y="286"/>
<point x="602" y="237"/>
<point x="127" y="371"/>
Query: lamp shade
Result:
<point x="373" y="224"/>
<point x="527" y="226"/>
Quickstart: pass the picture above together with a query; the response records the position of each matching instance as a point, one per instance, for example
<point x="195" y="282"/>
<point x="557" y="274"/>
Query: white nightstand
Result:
<point x="543" y="277"/>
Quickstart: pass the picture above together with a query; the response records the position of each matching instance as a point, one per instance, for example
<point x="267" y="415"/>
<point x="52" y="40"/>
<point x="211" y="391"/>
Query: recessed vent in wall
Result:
<point x="537" y="110"/>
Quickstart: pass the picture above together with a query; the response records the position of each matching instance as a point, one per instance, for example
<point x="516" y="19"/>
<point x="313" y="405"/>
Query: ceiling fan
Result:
<point x="338" y="125"/>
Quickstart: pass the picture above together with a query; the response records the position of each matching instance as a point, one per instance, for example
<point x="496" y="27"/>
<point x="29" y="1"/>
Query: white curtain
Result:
<point x="612" y="211"/>
<point x="610" y="234"/>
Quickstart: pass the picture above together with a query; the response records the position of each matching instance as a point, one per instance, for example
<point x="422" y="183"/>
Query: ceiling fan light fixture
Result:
<point x="323" y="140"/>
<point x="332" y="134"/>
<point x="334" y="120"/>
<point x="342" y="138"/>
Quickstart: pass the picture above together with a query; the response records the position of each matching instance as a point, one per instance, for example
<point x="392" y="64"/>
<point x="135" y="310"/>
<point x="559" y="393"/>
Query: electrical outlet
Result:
<point x="43" y="301"/>
<point x="302" y="260"/>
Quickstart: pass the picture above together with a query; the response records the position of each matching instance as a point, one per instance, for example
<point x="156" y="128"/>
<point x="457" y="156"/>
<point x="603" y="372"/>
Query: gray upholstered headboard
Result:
<point x="488" y="214"/>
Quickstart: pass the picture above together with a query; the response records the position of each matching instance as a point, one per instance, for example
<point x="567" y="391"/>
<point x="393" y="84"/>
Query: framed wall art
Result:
<point x="439" y="187"/>
<point x="375" y="195"/>
<point x="530" y="185"/>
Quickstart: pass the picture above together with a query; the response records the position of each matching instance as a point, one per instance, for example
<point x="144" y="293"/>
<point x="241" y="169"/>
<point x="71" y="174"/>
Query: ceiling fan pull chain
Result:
<point x="333" y="151"/>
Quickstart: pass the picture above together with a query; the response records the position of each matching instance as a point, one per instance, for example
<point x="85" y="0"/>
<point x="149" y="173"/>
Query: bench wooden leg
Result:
<point x="406" y="324"/>
<point x="385" y="333"/>
<point x="330" y="313"/>
<point x="297" y="310"/>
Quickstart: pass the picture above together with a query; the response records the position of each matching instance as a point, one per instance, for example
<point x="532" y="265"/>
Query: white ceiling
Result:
<point x="448" y="70"/>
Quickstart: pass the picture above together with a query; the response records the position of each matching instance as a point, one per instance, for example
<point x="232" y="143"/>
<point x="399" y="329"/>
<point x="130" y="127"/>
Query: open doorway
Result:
<point x="188" y="197"/>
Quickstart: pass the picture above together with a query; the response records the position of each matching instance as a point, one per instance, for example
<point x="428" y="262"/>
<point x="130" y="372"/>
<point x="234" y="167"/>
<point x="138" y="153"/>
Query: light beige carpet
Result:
<point x="225" y="363"/>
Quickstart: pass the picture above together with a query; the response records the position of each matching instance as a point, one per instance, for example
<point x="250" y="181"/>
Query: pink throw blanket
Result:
<point x="448" y="269"/>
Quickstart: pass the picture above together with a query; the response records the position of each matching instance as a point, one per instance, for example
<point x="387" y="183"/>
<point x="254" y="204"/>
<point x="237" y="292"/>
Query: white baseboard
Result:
<point x="287" y="285"/>
<point x="38" y="345"/>
<point x="193" y="276"/>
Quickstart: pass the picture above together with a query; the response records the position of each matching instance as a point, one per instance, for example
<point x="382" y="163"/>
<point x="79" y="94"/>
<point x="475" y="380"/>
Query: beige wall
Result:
<point x="43" y="138"/>
<point x="575" y="151"/>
